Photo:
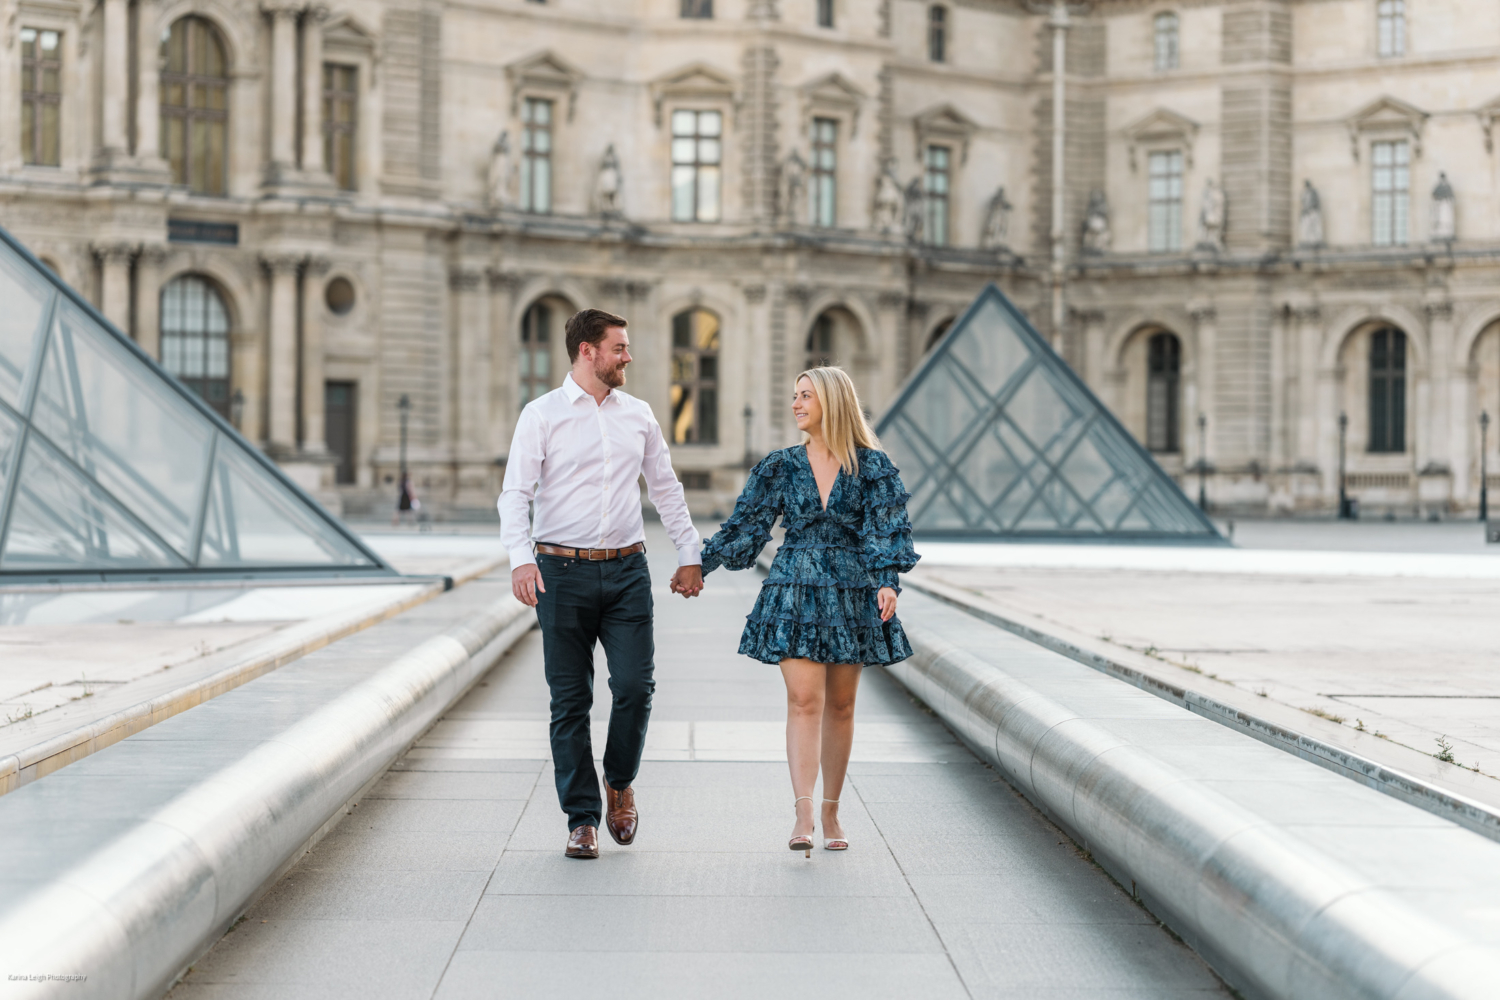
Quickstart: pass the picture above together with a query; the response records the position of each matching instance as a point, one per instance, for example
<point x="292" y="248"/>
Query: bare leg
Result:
<point x="805" y="681"/>
<point x="838" y="738"/>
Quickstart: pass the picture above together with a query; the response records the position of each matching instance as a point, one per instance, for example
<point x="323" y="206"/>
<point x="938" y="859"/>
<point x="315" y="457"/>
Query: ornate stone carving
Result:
<point x="914" y="210"/>
<point x="996" y="221"/>
<point x="608" y="183"/>
<point x="1097" y="238"/>
<point x="1444" y="211"/>
<point x="503" y="281"/>
<point x="1310" y="217"/>
<point x="755" y="294"/>
<point x="500" y="177"/>
<point x="885" y="212"/>
<point x="464" y="279"/>
<point x="1212" y="217"/>
<point x="793" y="195"/>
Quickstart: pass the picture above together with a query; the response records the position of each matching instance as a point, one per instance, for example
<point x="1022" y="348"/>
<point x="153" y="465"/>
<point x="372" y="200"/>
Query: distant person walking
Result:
<point x="577" y="454"/>
<point x="828" y="605"/>
<point x="407" y="503"/>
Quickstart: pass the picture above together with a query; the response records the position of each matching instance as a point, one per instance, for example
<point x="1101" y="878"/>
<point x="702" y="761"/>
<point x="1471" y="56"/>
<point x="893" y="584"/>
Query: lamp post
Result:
<point x="404" y="405"/>
<point x="1203" y="462"/>
<point x="1484" y="469"/>
<point x="748" y="414"/>
<point x="237" y="410"/>
<point x="1346" y="512"/>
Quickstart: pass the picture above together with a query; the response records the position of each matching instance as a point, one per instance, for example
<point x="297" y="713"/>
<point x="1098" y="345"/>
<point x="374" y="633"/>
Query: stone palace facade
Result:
<point x="358" y="227"/>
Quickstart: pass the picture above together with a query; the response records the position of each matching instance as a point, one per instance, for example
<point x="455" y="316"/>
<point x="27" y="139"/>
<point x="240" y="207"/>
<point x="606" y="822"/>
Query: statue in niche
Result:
<point x="793" y="189"/>
<point x="914" y="210"/>
<point x="1211" y="217"/>
<point x="1310" y="218"/>
<point x="500" y="179"/>
<point x="607" y="184"/>
<point x="1444" y="211"/>
<point x="996" y="221"/>
<point x="885" y="216"/>
<point x="1097" y="238"/>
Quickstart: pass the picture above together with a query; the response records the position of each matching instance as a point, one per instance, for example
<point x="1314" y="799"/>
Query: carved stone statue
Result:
<point x="914" y="210"/>
<point x="996" y="221"/>
<point x="1310" y="219"/>
<point x="607" y="184"/>
<point x="793" y="189"/>
<point x="885" y="216"/>
<point x="1444" y="211"/>
<point x="1097" y="238"/>
<point x="500" y="178"/>
<point x="1211" y="217"/>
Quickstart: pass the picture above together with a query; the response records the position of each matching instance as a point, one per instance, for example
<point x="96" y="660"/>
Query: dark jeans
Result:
<point x="608" y="602"/>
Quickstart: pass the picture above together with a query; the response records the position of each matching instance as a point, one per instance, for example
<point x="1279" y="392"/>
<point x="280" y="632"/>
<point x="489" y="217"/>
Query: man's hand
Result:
<point x="525" y="582"/>
<point x="886" y="598"/>
<point x="688" y="581"/>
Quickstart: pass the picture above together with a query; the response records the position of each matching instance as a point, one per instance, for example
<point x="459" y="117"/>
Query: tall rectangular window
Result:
<point x="1164" y="202"/>
<point x="536" y="156"/>
<point x="937" y="33"/>
<point x="41" y="97"/>
<point x="1390" y="184"/>
<point x="825" y="13"/>
<point x="700" y="9"/>
<point x="1166" y="41"/>
<point x="1387" y="390"/>
<point x="937" y="185"/>
<point x="340" y="122"/>
<point x="822" y="193"/>
<point x="1390" y="25"/>
<point x="697" y="151"/>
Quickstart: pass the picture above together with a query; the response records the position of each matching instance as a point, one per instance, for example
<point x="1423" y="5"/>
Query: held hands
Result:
<point x="688" y="581"/>
<point x="525" y="581"/>
<point x="887" y="601"/>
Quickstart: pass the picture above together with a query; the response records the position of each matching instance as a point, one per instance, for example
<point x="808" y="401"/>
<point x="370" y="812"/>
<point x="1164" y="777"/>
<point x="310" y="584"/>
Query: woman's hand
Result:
<point x="887" y="601"/>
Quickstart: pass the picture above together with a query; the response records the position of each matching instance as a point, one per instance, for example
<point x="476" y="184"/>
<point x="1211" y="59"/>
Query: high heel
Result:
<point x="837" y="843"/>
<point x="804" y="842"/>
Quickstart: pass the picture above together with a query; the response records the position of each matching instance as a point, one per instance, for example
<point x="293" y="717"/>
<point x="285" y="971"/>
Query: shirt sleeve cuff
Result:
<point x="689" y="555"/>
<point x="521" y="557"/>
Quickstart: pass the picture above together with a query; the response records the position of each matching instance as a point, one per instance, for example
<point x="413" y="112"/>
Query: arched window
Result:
<point x="1166" y="41"/>
<point x="695" y="377"/>
<point x="1163" y="381"/>
<point x="195" y="338"/>
<point x="195" y="106"/>
<point x="1390" y="23"/>
<point x="1387" y="390"/>
<point x="536" y="352"/>
<point x="937" y="33"/>
<point x="821" y="348"/>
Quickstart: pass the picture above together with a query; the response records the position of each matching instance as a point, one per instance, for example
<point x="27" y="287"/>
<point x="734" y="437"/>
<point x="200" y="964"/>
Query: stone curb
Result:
<point x="1277" y="917"/>
<point x="261" y="657"/>
<point x="137" y="912"/>
<point x="1472" y="814"/>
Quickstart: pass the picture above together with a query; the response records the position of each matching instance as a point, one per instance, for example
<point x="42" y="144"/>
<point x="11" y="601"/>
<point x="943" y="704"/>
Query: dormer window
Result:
<point x="1166" y="47"/>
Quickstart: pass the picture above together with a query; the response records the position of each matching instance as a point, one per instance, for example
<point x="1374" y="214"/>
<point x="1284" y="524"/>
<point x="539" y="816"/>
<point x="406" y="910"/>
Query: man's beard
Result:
<point x="612" y="375"/>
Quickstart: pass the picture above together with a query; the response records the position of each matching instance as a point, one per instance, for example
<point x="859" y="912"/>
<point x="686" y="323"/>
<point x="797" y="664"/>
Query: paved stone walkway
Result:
<point x="448" y="881"/>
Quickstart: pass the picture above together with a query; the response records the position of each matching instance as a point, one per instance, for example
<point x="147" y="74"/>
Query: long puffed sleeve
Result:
<point x="886" y="532"/>
<point x="739" y="540"/>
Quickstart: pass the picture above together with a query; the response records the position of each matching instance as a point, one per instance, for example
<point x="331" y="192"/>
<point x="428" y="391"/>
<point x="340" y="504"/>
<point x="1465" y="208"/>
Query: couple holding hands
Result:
<point x="827" y="607"/>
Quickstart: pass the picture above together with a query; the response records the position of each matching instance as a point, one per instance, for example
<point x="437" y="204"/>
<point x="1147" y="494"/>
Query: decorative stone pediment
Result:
<point x="1488" y="115"/>
<point x="697" y="81"/>
<point x="543" y="74"/>
<point x="832" y="96"/>
<point x="1386" y="118"/>
<point x="945" y="123"/>
<point x="1163" y="127"/>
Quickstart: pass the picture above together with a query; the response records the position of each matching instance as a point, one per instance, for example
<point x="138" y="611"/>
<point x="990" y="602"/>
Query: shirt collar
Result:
<point x="575" y="392"/>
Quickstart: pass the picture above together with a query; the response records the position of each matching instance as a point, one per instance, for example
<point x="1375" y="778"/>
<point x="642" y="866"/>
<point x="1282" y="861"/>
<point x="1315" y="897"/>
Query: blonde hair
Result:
<point x="844" y="424"/>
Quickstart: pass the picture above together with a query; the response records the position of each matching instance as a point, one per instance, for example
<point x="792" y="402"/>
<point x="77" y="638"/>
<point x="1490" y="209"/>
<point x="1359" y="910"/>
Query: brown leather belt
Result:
<point x="592" y="555"/>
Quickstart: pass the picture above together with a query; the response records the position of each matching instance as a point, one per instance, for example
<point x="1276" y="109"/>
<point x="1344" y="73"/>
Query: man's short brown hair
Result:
<point x="588" y="326"/>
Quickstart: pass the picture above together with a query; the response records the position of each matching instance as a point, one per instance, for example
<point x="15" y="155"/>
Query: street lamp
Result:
<point x="1484" y="469"/>
<point x="1346" y="510"/>
<point x="404" y="405"/>
<point x="748" y="414"/>
<point x="1203" y="463"/>
<point x="237" y="409"/>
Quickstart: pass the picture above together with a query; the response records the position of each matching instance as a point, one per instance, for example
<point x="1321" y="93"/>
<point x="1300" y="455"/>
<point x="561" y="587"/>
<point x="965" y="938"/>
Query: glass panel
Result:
<point x="25" y="295"/>
<point x="10" y="433"/>
<point x="60" y="521"/>
<point x="129" y="432"/>
<point x="253" y="520"/>
<point x="995" y="436"/>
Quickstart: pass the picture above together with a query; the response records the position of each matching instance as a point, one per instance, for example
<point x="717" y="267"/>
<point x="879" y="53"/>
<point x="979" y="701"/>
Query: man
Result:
<point x="578" y="453"/>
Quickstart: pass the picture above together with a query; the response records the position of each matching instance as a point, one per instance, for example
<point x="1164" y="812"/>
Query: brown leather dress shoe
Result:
<point x="620" y="815"/>
<point x="583" y="842"/>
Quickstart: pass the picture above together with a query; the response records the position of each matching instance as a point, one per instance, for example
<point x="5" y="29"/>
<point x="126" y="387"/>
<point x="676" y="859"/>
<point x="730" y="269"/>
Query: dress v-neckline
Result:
<point x="837" y="472"/>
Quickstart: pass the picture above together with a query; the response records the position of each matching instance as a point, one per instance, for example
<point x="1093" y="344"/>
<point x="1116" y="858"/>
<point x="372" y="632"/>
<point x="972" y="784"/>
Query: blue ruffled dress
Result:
<point x="818" y="602"/>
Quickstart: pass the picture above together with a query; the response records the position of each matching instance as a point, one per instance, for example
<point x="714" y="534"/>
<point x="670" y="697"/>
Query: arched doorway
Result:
<point x="1163" y="393"/>
<point x="542" y="361"/>
<point x="835" y="339"/>
<point x="694" y="394"/>
<point x="195" y="338"/>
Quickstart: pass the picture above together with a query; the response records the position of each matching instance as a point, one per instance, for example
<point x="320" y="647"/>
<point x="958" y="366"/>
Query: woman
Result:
<point x="828" y="605"/>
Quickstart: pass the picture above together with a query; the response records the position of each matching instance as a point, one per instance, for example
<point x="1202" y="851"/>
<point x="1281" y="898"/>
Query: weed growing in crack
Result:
<point x="1445" y="750"/>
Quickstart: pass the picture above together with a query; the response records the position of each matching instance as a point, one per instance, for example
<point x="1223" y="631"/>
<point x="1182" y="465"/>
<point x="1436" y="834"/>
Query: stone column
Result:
<point x="1088" y="359"/>
<point x="314" y="437"/>
<point x="114" y="84"/>
<point x="281" y="355"/>
<point x="1205" y="334"/>
<point x="758" y="372"/>
<point x="147" y="90"/>
<point x="504" y="401"/>
<point x="148" y="299"/>
<point x="312" y="90"/>
<point x="1308" y="334"/>
<point x="470" y="362"/>
<point x="283" y="82"/>
<point x="114" y="286"/>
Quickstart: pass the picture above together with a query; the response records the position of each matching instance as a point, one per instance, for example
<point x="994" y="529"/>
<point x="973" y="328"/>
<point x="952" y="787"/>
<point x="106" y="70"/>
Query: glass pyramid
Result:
<point x="110" y="467"/>
<point x="997" y="438"/>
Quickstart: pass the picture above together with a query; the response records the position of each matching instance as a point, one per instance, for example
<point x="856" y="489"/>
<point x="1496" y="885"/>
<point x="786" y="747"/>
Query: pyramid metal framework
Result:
<point x="111" y="468"/>
<point x="997" y="438"/>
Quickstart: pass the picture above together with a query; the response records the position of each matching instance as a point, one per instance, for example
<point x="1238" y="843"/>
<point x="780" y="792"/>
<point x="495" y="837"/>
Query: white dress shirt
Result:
<point x="580" y="462"/>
